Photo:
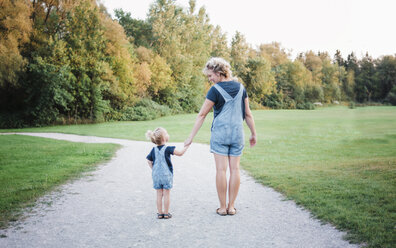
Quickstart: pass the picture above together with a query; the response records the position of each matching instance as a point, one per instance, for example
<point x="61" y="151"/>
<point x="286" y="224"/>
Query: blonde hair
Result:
<point x="156" y="136"/>
<point x="218" y="65"/>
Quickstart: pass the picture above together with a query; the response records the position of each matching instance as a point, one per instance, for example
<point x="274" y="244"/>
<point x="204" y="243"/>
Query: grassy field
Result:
<point x="337" y="162"/>
<point x="31" y="166"/>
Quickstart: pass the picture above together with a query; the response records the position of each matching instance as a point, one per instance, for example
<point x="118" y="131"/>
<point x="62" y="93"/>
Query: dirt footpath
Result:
<point x="114" y="206"/>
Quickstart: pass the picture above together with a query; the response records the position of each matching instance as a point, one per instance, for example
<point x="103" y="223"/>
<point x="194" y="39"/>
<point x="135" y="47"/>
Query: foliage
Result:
<point x="69" y="61"/>
<point x="391" y="97"/>
<point x="145" y="109"/>
<point x="258" y="78"/>
<point x="16" y="28"/>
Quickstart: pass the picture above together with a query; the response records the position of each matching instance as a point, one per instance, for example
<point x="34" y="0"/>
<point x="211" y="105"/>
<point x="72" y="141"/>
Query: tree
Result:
<point x="313" y="63"/>
<point x="293" y="78"/>
<point x="182" y="39"/>
<point x="119" y="64"/>
<point x="365" y="81"/>
<point x="274" y="53"/>
<point x="258" y="79"/>
<point x="331" y="82"/>
<point x="16" y="28"/>
<point x="239" y="54"/>
<point x="385" y="76"/>
<point x="139" y="30"/>
<point x="338" y="58"/>
<point x="219" y="47"/>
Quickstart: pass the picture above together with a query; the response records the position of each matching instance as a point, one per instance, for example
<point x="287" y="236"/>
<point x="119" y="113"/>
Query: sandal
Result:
<point x="167" y="216"/>
<point x="232" y="212"/>
<point x="222" y="214"/>
<point x="160" y="216"/>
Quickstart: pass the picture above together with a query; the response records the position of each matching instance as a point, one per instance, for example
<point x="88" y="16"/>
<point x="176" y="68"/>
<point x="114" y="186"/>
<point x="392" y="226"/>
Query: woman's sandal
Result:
<point x="219" y="213"/>
<point x="160" y="216"/>
<point x="231" y="212"/>
<point x="167" y="216"/>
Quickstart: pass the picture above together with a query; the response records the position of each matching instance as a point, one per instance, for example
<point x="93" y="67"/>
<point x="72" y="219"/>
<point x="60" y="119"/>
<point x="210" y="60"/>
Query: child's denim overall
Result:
<point x="227" y="130"/>
<point x="162" y="176"/>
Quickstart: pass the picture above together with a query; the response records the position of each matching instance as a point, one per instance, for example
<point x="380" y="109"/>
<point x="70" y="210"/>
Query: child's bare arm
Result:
<point x="180" y="152"/>
<point x="150" y="163"/>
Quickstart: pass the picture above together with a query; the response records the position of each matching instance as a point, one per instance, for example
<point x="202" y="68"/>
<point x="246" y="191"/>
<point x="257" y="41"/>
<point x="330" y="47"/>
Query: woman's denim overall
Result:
<point x="227" y="130"/>
<point x="162" y="176"/>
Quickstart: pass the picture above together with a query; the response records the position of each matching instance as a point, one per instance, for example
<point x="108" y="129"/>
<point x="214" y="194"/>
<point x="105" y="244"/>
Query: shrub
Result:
<point x="273" y="100"/>
<point x="391" y="97"/>
<point x="305" y="105"/>
<point x="145" y="109"/>
<point x="254" y="105"/>
<point x="352" y="105"/>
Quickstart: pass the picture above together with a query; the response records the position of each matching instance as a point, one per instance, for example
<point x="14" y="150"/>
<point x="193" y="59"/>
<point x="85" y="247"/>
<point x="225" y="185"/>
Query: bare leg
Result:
<point x="221" y="180"/>
<point x="159" y="201"/>
<point x="235" y="181"/>
<point x="166" y="200"/>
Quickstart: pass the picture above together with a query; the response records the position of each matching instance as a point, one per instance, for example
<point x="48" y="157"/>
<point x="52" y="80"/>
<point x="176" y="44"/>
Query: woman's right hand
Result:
<point x="188" y="141"/>
<point x="252" y="140"/>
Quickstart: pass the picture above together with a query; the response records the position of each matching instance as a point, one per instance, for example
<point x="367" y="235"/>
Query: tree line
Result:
<point x="69" y="61"/>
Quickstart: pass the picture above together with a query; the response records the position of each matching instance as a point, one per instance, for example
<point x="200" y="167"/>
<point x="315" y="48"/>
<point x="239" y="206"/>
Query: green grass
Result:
<point x="31" y="166"/>
<point x="337" y="162"/>
<point x="179" y="127"/>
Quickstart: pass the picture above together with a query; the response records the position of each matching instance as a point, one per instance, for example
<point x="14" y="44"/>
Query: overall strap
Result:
<point x="223" y="93"/>
<point x="163" y="150"/>
<point x="240" y="92"/>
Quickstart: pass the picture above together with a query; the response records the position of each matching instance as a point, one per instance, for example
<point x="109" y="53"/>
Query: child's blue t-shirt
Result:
<point x="232" y="88"/>
<point x="169" y="151"/>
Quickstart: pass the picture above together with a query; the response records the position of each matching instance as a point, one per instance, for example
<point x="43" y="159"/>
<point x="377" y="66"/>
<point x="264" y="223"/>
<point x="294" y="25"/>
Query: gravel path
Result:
<point x="114" y="206"/>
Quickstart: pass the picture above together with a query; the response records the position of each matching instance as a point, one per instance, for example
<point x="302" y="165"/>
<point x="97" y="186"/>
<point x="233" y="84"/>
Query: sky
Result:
<point x="357" y="26"/>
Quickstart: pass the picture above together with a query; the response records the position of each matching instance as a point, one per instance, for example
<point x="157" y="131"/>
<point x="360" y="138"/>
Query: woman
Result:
<point x="231" y="106"/>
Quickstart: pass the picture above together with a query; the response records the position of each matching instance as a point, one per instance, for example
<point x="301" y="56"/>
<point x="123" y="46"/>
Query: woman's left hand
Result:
<point x="252" y="140"/>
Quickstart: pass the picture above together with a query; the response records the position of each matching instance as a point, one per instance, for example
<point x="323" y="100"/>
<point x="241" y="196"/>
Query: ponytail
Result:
<point x="155" y="136"/>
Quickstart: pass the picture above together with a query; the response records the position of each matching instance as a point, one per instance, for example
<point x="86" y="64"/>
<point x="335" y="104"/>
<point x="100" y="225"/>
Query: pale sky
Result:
<point x="299" y="25"/>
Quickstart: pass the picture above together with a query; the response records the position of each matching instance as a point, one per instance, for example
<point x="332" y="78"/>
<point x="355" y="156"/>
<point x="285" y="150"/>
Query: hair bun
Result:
<point x="149" y="135"/>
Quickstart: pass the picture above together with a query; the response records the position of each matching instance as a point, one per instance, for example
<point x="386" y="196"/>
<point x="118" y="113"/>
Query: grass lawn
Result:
<point x="337" y="162"/>
<point x="31" y="166"/>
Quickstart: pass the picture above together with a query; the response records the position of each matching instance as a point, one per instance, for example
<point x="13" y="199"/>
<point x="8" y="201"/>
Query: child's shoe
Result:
<point x="167" y="216"/>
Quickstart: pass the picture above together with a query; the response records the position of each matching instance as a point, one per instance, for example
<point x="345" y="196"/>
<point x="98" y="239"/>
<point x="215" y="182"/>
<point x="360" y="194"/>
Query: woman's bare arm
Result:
<point x="207" y="105"/>
<point x="250" y="122"/>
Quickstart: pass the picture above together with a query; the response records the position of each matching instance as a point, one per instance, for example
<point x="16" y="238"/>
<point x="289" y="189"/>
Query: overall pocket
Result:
<point x="221" y="134"/>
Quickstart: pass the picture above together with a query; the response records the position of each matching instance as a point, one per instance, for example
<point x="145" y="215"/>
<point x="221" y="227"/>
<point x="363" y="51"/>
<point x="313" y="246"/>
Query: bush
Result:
<point x="12" y="120"/>
<point x="352" y="105"/>
<point x="305" y="105"/>
<point x="145" y="109"/>
<point x="391" y="97"/>
<point x="254" y="105"/>
<point x="274" y="100"/>
<point x="289" y="103"/>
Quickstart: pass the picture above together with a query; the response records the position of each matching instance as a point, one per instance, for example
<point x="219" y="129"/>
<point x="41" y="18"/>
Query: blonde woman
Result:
<point x="230" y="103"/>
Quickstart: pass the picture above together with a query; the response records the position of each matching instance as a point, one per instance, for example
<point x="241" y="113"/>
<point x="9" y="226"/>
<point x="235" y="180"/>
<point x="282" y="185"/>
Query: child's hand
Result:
<point x="188" y="141"/>
<point x="180" y="152"/>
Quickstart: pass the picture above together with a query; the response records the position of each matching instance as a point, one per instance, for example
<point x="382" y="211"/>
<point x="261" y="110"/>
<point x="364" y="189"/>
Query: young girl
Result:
<point x="162" y="169"/>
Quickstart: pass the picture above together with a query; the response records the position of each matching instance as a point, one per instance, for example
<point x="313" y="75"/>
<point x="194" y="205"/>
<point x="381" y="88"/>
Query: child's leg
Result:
<point x="159" y="200"/>
<point x="166" y="200"/>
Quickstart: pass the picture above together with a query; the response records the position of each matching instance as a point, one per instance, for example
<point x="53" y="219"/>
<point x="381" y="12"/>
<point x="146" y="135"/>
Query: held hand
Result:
<point x="252" y="140"/>
<point x="187" y="142"/>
